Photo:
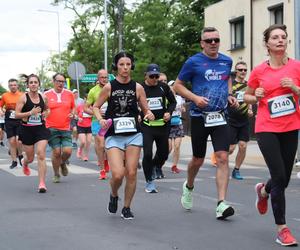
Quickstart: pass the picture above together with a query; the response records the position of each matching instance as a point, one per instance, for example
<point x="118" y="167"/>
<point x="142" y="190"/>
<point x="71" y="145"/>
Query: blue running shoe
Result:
<point x="236" y="174"/>
<point x="150" y="187"/>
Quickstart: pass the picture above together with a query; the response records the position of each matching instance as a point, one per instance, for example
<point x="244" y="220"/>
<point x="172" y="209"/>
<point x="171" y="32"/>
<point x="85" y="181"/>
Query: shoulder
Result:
<point x="48" y="92"/>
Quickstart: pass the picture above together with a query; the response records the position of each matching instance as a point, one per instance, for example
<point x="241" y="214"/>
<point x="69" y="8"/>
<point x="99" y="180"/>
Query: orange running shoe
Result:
<point x="26" y="169"/>
<point x="106" y="166"/>
<point x="175" y="170"/>
<point x="102" y="175"/>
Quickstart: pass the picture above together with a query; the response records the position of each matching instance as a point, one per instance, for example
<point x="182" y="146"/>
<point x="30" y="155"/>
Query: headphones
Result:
<point x="120" y="55"/>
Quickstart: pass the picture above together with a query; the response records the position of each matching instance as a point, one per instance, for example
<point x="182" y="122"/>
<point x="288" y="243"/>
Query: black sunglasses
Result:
<point x="210" y="40"/>
<point x="241" y="70"/>
<point x="154" y="76"/>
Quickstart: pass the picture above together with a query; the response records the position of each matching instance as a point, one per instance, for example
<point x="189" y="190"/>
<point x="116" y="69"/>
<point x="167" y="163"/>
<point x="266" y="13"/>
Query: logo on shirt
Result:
<point x="213" y="75"/>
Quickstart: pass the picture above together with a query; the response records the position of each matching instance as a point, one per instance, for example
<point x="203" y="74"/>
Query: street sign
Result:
<point x="91" y="78"/>
<point x="76" y="70"/>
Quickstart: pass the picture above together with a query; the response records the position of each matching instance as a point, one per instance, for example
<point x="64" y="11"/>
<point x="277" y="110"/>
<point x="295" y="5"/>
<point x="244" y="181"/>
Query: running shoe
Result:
<point x="56" y="179"/>
<point x="85" y="158"/>
<point x="74" y="145"/>
<point x="26" y="169"/>
<point x="139" y="166"/>
<point x="159" y="173"/>
<point x="150" y="187"/>
<point x="298" y="175"/>
<point x="64" y="169"/>
<point x="285" y="238"/>
<point x="297" y="164"/>
<point x="113" y="204"/>
<point x="224" y="210"/>
<point x="175" y="170"/>
<point x="213" y="160"/>
<point x="78" y="154"/>
<point x="127" y="214"/>
<point x="13" y="164"/>
<point x="186" y="198"/>
<point x="261" y="202"/>
<point x="236" y="174"/>
<point x="20" y="159"/>
<point x="102" y="175"/>
<point x="154" y="176"/>
<point x="106" y="166"/>
<point x="42" y="188"/>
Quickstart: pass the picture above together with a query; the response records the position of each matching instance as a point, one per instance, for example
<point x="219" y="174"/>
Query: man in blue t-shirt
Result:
<point x="209" y="73"/>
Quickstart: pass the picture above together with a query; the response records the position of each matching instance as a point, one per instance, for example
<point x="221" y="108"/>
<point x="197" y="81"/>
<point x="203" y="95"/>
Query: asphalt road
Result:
<point x="73" y="213"/>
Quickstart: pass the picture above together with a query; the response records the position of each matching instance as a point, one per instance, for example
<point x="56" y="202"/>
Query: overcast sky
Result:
<point x="28" y="36"/>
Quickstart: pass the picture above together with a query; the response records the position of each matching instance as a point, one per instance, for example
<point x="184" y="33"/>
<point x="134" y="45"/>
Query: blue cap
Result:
<point x="153" y="69"/>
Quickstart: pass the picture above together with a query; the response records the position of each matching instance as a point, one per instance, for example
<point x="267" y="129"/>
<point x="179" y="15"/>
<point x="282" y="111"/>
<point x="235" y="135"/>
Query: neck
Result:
<point x="213" y="56"/>
<point x="241" y="80"/>
<point x="58" y="91"/>
<point x="123" y="79"/>
<point x="278" y="60"/>
<point x="33" y="93"/>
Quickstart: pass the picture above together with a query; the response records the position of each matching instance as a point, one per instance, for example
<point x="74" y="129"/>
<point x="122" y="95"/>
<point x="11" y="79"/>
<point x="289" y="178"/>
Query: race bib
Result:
<point x="86" y="115"/>
<point x="240" y="96"/>
<point x="124" y="125"/>
<point x="12" y="114"/>
<point x="104" y="107"/>
<point x="155" y="103"/>
<point x="176" y="113"/>
<point x="281" y="105"/>
<point x="35" y="120"/>
<point x="213" y="119"/>
<point x="2" y="119"/>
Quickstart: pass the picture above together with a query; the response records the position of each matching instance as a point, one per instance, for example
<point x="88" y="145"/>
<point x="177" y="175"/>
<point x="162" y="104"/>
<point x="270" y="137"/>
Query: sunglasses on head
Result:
<point x="242" y="70"/>
<point x="210" y="40"/>
<point x="154" y="76"/>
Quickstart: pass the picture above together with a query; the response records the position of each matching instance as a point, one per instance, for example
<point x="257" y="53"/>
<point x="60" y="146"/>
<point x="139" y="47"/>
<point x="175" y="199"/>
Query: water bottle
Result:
<point x="103" y="131"/>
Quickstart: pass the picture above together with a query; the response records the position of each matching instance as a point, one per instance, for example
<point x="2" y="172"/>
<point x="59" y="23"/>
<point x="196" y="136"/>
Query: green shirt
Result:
<point x="93" y="96"/>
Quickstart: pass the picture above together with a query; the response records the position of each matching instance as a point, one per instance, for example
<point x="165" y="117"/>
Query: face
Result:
<point x="210" y="43"/>
<point x="241" y="71"/>
<point x="124" y="66"/>
<point x="152" y="79"/>
<point x="13" y="86"/>
<point x="58" y="83"/>
<point x="163" y="78"/>
<point x="102" y="77"/>
<point x="277" y="41"/>
<point x="75" y="95"/>
<point x="33" y="84"/>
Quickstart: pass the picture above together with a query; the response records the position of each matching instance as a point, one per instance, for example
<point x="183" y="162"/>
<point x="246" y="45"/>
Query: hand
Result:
<point x="149" y="116"/>
<point x="35" y="110"/>
<point x="201" y="101"/>
<point x="103" y="123"/>
<point x="233" y="102"/>
<point x="287" y="82"/>
<point x="46" y="113"/>
<point x="259" y="93"/>
<point x="166" y="117"/>
<point x="250" y="112"/>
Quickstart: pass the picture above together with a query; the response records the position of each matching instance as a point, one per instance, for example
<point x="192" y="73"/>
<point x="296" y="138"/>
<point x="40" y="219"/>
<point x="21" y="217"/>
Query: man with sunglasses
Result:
<point x="161" y="102"/>
<point x="209" y="73"/>
<point x="238" y="119"/>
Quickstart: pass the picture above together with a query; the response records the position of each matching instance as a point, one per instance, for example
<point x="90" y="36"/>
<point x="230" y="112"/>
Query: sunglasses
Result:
<point x="242" y="70"/>
<point x="153" y="76"/>
<point x="59" y="81"/>
<point x="210" y="40"/>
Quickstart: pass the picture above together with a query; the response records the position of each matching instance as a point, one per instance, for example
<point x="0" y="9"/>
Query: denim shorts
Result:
<point x="60" y="138"/>
<point x="123" y="141"/>
<point x="95" y="127"/>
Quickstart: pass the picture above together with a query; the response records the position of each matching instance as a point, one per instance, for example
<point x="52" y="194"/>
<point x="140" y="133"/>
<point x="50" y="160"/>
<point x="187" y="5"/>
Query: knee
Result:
<point x="242" y="146"/>
<point x="131" y="175"/>
<point x="41" y="156"/>
<point x="222" y="158"/>
<point x="117" y="177"/>
<point x="197" y="162"/>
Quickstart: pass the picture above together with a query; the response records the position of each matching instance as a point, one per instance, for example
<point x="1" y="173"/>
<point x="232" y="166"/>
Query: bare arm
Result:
<point x="19" y="106"/>
<point x="142" y="100"/>
<point x="249" y="96"/>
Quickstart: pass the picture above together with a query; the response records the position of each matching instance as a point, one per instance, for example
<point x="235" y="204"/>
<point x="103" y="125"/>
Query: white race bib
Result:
<point x="281" y="105"/>
<point x="124" y="125"/>
<point x="213" y="119"/>
<point x="35" y="120"/>
<point x="155" y="103"/>
<point x="12" y="114"/>
<point x="240" y="96"/>
<point x="86" y="115"/>
<point x="2" y="119"/>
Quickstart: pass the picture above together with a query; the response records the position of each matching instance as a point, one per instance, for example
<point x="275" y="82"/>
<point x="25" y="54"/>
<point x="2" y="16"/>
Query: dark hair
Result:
<point x="240" y="63"/>
<point x="27" y="77"/>
<point x="268" y="31"/>
<point x="58" y="74"/>
<point x="119" y="56"/>
<point x="207" y="29"/>
<point x="12" y="80"/>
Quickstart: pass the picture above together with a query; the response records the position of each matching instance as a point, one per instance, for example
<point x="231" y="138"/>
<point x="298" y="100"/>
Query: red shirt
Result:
<point x="84" y="119"/>
<point x="278" y="110"/>
<point x="61" y="106"/>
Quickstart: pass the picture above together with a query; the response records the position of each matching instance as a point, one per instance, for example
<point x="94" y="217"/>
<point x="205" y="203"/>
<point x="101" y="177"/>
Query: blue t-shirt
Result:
<point x="209" y="78"/>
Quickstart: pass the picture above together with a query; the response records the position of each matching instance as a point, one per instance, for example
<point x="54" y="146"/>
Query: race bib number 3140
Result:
<point x="281" y="105"/>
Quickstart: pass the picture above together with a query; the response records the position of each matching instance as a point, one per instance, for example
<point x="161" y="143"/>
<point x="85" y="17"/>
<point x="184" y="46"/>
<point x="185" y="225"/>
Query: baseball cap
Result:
<point x="75" y="90"/>
<point x="153" y="69"/>
<point x="171" y="83"/>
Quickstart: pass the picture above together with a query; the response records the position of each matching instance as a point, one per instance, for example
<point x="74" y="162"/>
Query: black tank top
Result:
<point x="33" y="120"/>
<point x="123" y="109"/>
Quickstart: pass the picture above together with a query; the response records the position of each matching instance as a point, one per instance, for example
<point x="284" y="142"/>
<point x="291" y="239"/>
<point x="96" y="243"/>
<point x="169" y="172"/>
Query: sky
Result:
<point x="28" y="37"/>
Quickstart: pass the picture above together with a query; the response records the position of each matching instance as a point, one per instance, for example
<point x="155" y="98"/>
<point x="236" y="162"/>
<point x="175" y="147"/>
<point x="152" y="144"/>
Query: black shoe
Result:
<point x="67" y="162"/>
<point x="113" y="204"/>
<point x="1" y="143"/>
<point x="159" y="173"/>
<point x="126" y="213"/>
<point x="13" y="165"/>
<point x="20" y="159"/>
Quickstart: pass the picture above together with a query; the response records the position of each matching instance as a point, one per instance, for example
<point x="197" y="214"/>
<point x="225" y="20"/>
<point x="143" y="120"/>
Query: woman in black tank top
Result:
<point x="31" y="108"/>
<point x="123" y="141"/>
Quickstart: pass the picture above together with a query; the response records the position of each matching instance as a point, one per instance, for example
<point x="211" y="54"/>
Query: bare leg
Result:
<point x="222" y="174"/>
<point x="41" y="157"/>
<point x="193" y="168"/>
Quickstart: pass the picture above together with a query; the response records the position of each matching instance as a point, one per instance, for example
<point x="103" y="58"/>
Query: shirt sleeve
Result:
<point x="253" y="81"/>
<point x="186" y="72"/>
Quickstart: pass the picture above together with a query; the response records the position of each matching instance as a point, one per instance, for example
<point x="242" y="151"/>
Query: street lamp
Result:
<point x="105" y="34"/>
<point x="58" y="33"/>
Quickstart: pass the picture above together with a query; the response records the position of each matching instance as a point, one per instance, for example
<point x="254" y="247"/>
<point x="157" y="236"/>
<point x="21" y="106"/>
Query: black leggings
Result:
<point x="161" y="137"/>
<point x="279" y="150"/>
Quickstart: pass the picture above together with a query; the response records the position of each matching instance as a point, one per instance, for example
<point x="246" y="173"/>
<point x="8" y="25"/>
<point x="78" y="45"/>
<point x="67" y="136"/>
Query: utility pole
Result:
<point x="121" y="22"/>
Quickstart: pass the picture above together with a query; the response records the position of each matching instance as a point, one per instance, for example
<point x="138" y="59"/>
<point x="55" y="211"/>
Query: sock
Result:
<point x="189" y="188"/>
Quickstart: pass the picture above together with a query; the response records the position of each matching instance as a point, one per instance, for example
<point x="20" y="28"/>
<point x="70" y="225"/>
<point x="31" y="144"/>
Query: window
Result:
<point x="276" y="14"/>
<point x="237" y="33"/>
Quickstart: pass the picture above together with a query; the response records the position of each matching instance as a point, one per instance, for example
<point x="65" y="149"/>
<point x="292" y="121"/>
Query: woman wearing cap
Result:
<point x="123" y="140"/>
<point x="176" y="132"/>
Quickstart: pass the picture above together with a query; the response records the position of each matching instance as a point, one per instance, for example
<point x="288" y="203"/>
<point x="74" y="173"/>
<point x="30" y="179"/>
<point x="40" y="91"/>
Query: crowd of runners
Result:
<point x="127" y="118"/>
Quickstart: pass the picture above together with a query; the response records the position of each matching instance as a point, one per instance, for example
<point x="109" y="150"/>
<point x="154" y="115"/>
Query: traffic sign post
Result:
<point x="76" y="71"/>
